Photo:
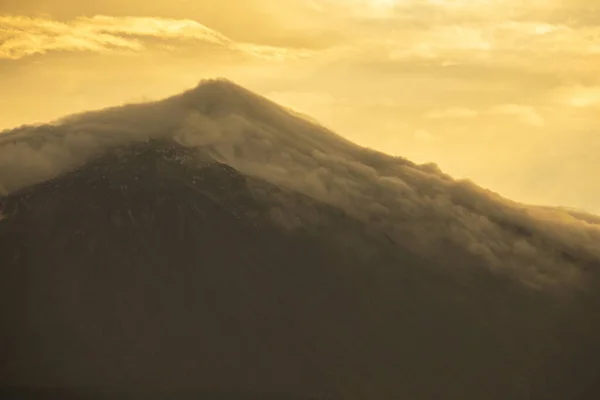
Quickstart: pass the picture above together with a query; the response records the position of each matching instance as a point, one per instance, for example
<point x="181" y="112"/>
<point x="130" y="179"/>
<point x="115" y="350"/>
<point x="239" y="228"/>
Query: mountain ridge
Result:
<point x="199" y="245"/>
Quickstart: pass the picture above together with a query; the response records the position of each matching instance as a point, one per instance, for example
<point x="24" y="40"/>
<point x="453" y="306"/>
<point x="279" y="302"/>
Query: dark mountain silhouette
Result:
<point x="155" y="269"/>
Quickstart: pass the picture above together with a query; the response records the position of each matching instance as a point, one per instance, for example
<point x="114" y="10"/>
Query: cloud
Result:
<point x="501" y="41"/>
<point x="494" y="33"/>
<point x="23" y="36"/>
<point x="527" y="114"/>
<point x="418" y="207"/>
<point x="454" y="32"/>
<point x="308" y="100"/>
<point x="424" y="135"/>
<point x="452" y="113"/>
<point x="578" y="96"/>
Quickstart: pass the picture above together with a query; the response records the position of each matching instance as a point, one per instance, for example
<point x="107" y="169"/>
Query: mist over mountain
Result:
<point x="215" y="244"/>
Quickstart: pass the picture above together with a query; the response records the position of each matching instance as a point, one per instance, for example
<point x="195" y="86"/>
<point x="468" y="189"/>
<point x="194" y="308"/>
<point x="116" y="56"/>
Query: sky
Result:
<point x="503" y="92"/>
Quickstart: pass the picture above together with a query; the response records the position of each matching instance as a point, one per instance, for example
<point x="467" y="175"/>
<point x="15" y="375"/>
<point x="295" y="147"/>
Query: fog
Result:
<point x="418" y="206"/>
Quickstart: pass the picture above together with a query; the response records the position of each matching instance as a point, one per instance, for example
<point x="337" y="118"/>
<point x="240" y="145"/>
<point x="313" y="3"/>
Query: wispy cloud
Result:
<point x="501" y="42"/>
<point x="579" y="96"/>
<point x="424" y="135"/>
<point x="526" y="114"/>
<point x="23" y="36"/>
<point x="451" y="113"/>
<point x="528" y="35"/>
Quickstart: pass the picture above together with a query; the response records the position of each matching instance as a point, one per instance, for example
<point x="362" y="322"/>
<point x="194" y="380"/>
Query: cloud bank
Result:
<point x="418" y="206"/>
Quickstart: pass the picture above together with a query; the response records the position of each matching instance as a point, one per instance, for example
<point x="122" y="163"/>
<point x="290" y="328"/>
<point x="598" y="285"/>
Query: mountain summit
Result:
<point x="214" y="245"/>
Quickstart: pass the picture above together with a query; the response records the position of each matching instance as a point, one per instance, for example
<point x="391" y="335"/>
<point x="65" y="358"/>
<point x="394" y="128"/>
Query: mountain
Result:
<point x="213" y="245"/>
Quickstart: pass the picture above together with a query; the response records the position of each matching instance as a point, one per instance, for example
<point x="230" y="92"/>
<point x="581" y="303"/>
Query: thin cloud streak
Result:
<point x="24" y="36"/>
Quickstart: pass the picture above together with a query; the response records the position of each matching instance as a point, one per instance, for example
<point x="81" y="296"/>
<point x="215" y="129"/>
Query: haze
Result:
<point x="503" y="92"/>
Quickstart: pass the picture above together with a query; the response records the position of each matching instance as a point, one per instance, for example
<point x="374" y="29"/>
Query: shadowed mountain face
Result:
<point x="170" y="266"/>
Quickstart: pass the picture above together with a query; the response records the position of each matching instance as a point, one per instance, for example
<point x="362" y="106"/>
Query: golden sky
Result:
<point x="505" y="92"/>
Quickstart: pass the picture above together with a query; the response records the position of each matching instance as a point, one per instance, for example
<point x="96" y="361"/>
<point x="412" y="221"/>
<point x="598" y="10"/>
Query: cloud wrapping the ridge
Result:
<point x="22" y="36"/>
<point x="418" y="206"/>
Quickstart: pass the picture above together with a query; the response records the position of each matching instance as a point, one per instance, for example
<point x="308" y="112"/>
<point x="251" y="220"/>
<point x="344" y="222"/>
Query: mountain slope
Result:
<point x="180" y="264"/>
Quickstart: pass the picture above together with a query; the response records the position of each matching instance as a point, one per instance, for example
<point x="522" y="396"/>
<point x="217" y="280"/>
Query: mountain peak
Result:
<point x="225" y="94"/>
<point x="219" y="88"/>
<point x="220" y="84"/>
